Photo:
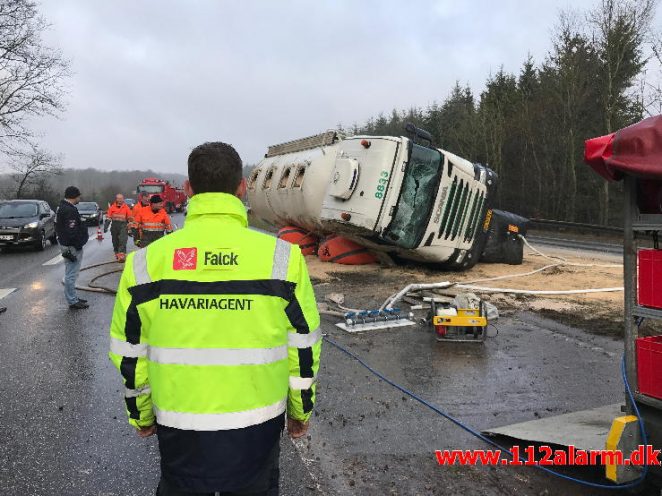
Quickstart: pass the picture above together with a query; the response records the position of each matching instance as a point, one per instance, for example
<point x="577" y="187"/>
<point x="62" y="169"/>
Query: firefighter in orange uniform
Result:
<point x="120" y="215"/>
<point x="143" y="204"/>
<point x="153" y="222"/>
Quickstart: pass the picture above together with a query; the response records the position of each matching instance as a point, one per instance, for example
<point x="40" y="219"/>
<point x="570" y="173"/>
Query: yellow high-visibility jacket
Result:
<point x="215" y="328"/>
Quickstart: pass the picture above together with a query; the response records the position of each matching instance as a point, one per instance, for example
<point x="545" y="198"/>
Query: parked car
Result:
<point x="90" y="213"/>
<point x="26" y="223"/>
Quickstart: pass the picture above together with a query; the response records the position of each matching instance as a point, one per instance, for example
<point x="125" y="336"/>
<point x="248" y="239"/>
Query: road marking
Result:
<point x="55" y="260"/>
<point x="58" y="258"/>
<point x="5" y="292"/>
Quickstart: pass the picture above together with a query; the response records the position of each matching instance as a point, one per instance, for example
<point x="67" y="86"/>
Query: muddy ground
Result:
<point x="586" y="272"/>
<point x="553" y="355"/>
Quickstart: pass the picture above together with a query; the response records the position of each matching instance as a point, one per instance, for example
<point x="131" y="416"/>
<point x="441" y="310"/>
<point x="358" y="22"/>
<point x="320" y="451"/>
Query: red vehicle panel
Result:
<point x="174" y="198"/>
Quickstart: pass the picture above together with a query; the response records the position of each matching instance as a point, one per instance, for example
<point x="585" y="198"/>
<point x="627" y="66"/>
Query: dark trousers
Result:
<point x="265" y="483"/>
<point x="149" y="237"/>
<point x="119" y="233"/>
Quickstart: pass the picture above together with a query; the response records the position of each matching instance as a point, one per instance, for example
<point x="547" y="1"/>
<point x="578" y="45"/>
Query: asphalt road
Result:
<point x="63" y="429"/>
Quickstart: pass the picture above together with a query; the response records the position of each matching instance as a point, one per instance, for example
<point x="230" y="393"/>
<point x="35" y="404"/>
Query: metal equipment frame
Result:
<point x="467" y="317"/>
<point x="636" y="222"/>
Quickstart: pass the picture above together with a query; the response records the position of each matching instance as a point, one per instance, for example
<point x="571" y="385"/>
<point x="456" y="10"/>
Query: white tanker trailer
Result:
<point x="394" y="195"/>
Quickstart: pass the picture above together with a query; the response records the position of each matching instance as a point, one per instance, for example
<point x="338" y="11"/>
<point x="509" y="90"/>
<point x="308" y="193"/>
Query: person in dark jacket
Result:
<point x="72" y="235"/>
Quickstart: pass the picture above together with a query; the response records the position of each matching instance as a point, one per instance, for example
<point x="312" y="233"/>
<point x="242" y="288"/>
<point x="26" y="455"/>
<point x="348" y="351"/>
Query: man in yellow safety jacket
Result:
<point x="216" y="334"/>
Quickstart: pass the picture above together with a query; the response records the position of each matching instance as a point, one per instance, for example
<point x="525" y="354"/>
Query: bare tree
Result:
<point x="32" y="166"/>
<point x="32" y="75"/>
<point x="651" y="91"/>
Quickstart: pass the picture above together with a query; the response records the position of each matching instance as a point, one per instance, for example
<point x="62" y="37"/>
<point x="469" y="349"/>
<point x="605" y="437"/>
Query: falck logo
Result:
<point x="185" y="259"/>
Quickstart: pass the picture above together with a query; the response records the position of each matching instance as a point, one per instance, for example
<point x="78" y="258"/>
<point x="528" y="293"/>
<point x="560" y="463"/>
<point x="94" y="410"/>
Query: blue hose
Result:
<point x="487" y="440"/>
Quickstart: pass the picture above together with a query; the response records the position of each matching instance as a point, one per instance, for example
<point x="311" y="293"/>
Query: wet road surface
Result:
<point x="64" y="429"/>
<point x="386" y="441"/>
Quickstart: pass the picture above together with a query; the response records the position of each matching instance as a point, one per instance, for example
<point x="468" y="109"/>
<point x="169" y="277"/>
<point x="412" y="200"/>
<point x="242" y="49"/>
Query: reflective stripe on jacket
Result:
<point x="153" y="221"/>
<point x="215" y="330"/>
<point x="119" y="213"/>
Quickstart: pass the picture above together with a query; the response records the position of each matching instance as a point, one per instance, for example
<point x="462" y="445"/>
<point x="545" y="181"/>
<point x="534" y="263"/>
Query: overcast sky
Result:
<point x="152" y="79"/>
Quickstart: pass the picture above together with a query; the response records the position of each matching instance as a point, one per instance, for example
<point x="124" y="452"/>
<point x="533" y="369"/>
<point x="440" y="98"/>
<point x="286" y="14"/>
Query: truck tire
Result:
<point x="513" y="250"/>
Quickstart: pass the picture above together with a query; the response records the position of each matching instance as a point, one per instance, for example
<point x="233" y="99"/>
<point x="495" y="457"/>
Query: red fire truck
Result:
<point x="174" y="198"/>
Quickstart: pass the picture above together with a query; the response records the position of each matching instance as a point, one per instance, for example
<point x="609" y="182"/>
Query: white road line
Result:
<point x="55" y="260"/>
<point x="5" y="292"/>
<point x="58" y="258"/>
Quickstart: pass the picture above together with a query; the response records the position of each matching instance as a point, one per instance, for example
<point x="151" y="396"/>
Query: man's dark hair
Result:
<point x="71" y="192"/>
<point x="214" y="168"/>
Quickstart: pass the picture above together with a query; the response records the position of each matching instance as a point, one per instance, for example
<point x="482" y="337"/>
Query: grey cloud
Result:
<point x="153" y="79"/>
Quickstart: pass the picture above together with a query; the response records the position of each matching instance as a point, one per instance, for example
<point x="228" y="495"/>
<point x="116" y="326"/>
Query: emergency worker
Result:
<point x="215" y="332"/>
<point x="143" y="203"/>
<point x="120" y="215"/>
<point x="153" y="222"/>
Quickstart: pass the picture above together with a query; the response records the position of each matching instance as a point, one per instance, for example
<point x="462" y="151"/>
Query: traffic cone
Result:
<point x="99" y="234"/>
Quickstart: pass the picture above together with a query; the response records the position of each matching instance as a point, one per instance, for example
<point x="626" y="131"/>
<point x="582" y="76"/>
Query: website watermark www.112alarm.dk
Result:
<point x="546" y="456"/>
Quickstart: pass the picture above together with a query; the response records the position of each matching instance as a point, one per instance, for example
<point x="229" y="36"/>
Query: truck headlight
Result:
<point x="31" y="225"/>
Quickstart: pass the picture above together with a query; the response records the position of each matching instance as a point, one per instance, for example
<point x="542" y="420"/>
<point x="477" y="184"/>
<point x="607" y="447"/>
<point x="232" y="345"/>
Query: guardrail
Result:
<point x="560" y="225"/>
<point x="575" y="244"/>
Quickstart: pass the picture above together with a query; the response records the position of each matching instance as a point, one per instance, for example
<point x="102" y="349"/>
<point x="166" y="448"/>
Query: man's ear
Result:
<point x="241" y="189"/>
<point x="187" y="189"/>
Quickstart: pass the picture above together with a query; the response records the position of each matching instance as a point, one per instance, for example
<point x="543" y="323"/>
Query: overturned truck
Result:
<point x="395" y="195"/>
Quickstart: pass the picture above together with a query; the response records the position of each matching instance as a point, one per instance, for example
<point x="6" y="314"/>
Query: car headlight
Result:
<point x="31" y="225"/>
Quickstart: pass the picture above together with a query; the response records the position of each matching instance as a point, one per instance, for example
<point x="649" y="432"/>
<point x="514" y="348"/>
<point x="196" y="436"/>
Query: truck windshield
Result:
<point x="150" y="188"/>
<point x="419" y="189"/>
